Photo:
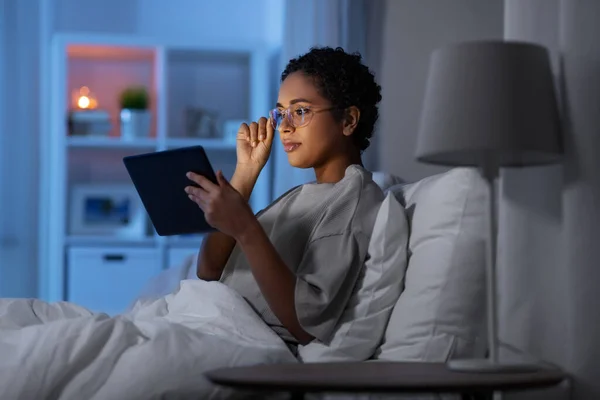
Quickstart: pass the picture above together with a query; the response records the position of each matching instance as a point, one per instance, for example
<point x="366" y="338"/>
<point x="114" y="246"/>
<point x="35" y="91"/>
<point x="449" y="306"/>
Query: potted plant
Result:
<point x="135" y="117"/>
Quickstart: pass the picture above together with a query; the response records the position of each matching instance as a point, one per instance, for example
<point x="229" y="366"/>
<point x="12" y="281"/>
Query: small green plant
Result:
<point x="135" y="98"/>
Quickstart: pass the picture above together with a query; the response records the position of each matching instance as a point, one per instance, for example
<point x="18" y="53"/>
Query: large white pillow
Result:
<point x="441" y="312"/>
<point x="363" y="322"/>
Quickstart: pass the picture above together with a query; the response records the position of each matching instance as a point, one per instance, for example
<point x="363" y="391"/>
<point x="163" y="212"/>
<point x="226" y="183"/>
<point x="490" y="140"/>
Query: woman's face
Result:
<point x="317" y="137"/>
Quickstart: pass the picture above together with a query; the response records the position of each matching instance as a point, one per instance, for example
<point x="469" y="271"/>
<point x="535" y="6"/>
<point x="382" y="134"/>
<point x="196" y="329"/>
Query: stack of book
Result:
<point x="89" y="123"/>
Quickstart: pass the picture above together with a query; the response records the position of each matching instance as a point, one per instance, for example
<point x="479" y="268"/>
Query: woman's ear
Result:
<point x="351" y="118"/>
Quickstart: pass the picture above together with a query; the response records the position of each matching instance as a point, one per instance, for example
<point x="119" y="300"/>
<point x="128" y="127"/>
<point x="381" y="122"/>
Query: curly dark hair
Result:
<point x="345" y="81"/>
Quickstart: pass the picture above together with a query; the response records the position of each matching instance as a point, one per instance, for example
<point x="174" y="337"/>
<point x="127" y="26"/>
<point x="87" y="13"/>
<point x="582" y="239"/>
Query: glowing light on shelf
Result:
<point x="84" y="99"/>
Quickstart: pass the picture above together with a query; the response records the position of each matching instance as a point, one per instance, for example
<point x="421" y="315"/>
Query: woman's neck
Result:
<point x="334" y="170"/>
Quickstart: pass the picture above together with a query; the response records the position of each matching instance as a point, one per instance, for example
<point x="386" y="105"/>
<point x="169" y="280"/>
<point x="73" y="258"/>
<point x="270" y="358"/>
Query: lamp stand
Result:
<point x="492" y="364"/>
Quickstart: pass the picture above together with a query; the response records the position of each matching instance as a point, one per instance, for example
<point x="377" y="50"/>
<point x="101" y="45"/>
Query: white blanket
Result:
<point x="159" y="349"/>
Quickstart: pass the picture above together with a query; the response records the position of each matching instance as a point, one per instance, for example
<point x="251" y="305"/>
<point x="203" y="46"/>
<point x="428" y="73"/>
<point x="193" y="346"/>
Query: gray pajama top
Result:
<point x="322" y="233"/>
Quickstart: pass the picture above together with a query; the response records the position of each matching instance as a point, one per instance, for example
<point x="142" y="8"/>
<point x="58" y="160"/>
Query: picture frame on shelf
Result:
<point x="107" y="210"/>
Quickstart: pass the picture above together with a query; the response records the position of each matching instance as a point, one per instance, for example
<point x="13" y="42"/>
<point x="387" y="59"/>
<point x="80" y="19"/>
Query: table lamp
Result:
<point x="490" y="104"/>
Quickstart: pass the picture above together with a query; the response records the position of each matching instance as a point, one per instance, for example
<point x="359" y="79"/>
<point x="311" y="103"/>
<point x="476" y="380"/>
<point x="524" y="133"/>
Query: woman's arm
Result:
<point x="225" y="209"/>
<point x="275" y="280"/>
<point x="216" y="246"/>
<point x="253" y="147"/>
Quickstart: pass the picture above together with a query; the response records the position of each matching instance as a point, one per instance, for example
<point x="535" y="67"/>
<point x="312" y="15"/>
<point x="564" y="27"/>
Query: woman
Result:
<point x="297" y="261"/>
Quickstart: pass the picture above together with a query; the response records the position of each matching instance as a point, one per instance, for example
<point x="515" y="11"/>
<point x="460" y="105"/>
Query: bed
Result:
<point x="425" y="279"/>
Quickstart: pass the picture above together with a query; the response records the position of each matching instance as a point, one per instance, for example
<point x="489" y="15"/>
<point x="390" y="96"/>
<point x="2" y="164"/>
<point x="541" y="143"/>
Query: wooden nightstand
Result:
<point x="379" y="377"/>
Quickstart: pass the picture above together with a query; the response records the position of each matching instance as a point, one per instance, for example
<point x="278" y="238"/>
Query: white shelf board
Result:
<point x="109" y="142"/>
<point x="209" y="144"/>
<point x="185" y="242"/>
<point x="108" y="240"/>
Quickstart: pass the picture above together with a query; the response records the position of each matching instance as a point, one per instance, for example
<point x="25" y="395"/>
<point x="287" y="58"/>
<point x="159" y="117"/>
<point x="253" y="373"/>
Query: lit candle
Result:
<point x="84" y="99"/>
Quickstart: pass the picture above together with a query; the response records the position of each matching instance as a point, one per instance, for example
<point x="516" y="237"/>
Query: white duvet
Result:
<point x="159" y="349"/>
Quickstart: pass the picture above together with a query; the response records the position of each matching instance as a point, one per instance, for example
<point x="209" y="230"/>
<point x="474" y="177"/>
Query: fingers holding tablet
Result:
<point x="199" y="194"/>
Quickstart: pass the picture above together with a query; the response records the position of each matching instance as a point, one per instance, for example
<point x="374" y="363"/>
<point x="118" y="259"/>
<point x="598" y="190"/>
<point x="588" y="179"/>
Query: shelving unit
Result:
<point x="229" y="79"/>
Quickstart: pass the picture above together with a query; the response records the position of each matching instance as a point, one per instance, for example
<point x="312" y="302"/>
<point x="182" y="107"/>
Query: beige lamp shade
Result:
<point x="490" y="100"/>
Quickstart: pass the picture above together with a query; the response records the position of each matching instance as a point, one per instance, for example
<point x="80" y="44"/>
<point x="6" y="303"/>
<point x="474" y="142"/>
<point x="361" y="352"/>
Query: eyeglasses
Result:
<point x="297" y="116"/>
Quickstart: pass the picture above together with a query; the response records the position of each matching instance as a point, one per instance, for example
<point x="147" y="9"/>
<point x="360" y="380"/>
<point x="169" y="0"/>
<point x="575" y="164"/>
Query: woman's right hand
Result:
<point x="254" y="143"/>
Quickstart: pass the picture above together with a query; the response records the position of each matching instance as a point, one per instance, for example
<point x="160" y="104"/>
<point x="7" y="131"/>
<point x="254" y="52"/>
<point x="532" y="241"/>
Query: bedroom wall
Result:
<point x="19" y="150"/>
<point x="27" y="26"/>
<point x="2" y="140"/>
<point x="412" y="29"/>
<point x="550" y="218"/>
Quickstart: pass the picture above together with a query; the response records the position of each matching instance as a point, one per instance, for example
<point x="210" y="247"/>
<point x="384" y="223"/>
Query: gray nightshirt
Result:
<point x="322" y="233"/>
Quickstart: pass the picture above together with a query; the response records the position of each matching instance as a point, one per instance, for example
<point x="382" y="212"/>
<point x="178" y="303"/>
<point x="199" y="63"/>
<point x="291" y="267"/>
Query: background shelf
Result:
<point x="231" y="82"/>
<point x="107" y="71"/>
<point x="110" y="142"/>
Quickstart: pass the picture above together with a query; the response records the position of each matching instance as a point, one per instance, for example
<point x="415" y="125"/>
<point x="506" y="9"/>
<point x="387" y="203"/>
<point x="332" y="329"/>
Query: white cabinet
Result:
<point x="107" y="279"/>
<point x="102" y="269"/>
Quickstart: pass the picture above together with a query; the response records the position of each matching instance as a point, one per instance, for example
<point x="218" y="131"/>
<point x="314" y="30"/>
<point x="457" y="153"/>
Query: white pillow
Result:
<point x="363" y="322"/>
<point x="441" y="312"/>
<point x="386" y="180"/>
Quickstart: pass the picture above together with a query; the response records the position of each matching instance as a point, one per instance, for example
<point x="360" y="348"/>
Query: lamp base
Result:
<point x="484" y="365"/>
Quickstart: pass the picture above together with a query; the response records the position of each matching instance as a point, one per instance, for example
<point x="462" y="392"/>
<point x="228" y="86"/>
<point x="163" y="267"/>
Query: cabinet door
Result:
<point x="106" y="279"/>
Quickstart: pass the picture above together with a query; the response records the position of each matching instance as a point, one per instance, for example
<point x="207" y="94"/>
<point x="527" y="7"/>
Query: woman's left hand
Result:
<point x="224" y="208"/>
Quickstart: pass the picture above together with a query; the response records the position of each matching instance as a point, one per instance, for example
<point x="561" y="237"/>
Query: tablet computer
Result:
<point x="159" y="178"/>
